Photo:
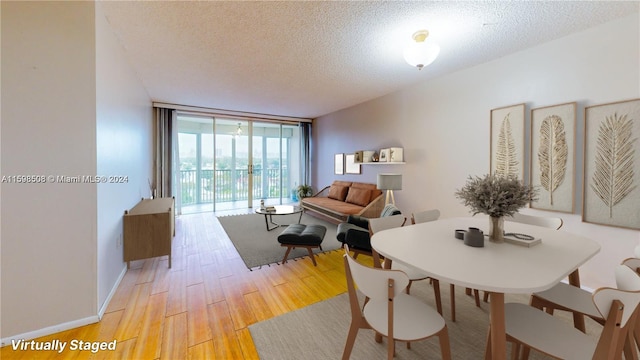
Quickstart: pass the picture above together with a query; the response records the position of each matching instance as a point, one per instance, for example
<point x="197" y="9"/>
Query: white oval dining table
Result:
<point x="496" y="268"/>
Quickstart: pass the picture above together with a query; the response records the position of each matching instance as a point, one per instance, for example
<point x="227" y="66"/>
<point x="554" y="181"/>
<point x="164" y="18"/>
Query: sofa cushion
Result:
<point x="342" y="183"/>
<point x="375" y="192"/>
<point x="358" y="196"/>
<point x="338" y="192"/>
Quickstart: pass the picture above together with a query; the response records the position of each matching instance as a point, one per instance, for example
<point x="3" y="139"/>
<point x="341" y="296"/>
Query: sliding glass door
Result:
<point x="232" y="164"/>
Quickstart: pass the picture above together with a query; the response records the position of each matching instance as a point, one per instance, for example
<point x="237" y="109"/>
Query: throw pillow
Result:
<point x="338" y="192"/>
<point x="358" y="196"/>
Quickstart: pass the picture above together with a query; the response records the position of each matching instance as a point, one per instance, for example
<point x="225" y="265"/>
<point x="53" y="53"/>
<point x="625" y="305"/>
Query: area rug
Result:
<point x="259" y="247"/>
<point x="319" y="331"/>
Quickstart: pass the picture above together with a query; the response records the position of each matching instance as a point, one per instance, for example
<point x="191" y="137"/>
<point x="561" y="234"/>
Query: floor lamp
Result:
<point x="390" y="182"/>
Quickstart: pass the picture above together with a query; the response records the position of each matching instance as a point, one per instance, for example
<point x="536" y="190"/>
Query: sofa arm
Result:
<point x="358" y="221"/>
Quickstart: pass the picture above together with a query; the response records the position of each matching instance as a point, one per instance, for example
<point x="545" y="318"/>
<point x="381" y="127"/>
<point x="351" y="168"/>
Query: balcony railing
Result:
<point x="197" y="187"/>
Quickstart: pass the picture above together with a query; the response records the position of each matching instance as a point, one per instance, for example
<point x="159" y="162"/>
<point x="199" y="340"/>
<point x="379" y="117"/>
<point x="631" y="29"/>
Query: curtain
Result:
<point x="164" y="130"/>
<point x="305" y="153"/>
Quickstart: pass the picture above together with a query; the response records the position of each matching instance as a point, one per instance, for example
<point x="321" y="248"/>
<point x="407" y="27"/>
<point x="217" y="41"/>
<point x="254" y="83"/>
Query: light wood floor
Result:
<point x="200" y="308"/>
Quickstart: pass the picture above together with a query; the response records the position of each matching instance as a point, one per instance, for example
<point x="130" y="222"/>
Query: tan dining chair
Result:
<point x="530" y="328"/>
<point x="389" y="311"/>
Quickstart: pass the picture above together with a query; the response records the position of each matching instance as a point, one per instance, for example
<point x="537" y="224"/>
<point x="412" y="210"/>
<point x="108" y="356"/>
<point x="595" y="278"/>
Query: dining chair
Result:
<point x="548" y="222"/>
<point x="383" y="223"/>
<point x="390" y="222"/>
<point x="565" y="297"/>
<point x="389" y="311"/>
<point x="530" y="328"/>
<point x="425" y="216"/>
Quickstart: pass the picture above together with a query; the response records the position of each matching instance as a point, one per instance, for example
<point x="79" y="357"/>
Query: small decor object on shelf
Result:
<point x="396" y="154"/>
<point x="496" y="196"/>
<point x="384" y="155"/>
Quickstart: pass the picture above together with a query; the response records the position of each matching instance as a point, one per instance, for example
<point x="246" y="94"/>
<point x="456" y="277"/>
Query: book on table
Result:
<point x="521" y="240"/>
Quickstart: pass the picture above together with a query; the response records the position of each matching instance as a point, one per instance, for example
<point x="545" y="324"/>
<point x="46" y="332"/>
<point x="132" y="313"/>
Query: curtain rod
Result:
<point x="228" y="113"/>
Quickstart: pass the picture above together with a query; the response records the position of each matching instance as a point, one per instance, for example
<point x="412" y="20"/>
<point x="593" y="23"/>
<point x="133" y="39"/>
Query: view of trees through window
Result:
<point x="225" y="170"/>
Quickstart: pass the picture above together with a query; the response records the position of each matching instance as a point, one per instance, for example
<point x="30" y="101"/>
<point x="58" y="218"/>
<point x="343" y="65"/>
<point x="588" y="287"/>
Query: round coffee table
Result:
<point x="278" y="210"/>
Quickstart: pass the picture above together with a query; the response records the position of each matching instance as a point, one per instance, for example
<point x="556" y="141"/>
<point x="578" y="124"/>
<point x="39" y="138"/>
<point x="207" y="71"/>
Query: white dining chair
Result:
<point x="531" y="328"/>
<point x="565" y="297"/>
<point x="548" y="222"/>
<point x="389" y="311"/>
<point x="425" y="216"/>
<point x="390" y="222"/>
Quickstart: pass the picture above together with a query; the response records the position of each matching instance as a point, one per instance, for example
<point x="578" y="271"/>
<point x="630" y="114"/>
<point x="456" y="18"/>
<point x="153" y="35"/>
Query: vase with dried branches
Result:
<point x="496" y="196"/>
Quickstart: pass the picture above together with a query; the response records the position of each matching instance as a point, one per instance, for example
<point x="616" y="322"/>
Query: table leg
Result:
<point x="498" y="336"/>
<point x="578" y="319"/>
<point x="266" y="222"/>
<point x="300" y="218"/>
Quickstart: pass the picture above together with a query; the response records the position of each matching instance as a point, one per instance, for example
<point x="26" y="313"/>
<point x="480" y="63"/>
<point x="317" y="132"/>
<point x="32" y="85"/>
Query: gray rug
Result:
<point x="258" y="247"/>
<point x="319" y="331"/>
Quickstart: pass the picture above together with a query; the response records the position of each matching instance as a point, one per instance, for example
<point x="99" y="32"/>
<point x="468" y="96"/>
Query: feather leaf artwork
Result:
<point x="506" y="157"/>
<point x="553" y="153"/>
<point x="613" y="175"/>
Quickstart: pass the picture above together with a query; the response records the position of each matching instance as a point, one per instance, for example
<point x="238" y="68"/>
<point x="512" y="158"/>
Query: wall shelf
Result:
<point x="383" y="163"/>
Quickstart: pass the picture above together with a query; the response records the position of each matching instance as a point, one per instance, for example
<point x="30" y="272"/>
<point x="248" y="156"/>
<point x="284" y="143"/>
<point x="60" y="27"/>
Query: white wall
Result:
<point x="48" y="128"/>
<point x="73" y="106"/>
<point x="443" y="125"/>
<point x="124" y="147"/>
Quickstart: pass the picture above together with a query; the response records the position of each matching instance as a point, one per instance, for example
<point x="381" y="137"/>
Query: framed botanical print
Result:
<point x="611" y="180"/>
<point x="507" y="141"/>
<point x="553" y="153"/>
<point x="338" y="164"/>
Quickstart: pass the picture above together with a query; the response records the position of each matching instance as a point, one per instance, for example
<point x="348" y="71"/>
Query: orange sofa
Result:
<point x="343" y="198"/>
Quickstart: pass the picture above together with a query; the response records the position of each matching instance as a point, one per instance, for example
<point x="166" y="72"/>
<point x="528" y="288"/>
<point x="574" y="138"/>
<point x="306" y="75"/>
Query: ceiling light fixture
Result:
<point x="238" y="131"/>
<point x="419" y="52"/>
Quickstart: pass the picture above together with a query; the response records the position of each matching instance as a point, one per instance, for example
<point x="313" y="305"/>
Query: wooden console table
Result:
<point x="148" y="229"/>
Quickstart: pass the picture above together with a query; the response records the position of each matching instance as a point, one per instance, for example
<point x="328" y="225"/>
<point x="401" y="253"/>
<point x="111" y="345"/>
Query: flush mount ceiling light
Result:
<point x="419" y="52"/>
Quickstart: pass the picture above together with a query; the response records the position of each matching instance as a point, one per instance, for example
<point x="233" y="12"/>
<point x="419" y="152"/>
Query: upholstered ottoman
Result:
<point x="303" y="236"/>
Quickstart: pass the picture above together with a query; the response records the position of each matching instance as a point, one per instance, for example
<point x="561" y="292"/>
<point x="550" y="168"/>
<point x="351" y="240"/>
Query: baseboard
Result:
<point x="51" y="330"/>
<point x="67" y="325"/>
<point x="103" y="309"/>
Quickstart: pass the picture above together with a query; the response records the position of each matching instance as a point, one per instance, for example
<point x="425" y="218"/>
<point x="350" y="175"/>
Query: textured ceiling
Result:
<point x="310" y="58"/>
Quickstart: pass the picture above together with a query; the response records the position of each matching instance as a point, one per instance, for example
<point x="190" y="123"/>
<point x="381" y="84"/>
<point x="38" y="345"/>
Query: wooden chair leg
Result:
<point x="452" y="291"/>
<point x="351" y="339"/>
<point x="436" y="292"/>
<point x="476" y="296"/>
<point x="445" y="346"/>
<point x="485" y="297"/>
<point x="487" y="349"/>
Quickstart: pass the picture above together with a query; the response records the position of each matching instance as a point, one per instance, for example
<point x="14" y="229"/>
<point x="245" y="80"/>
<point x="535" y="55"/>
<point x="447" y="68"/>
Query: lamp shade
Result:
<point x="390" y="181"/>
<point x="420" y="52"/>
